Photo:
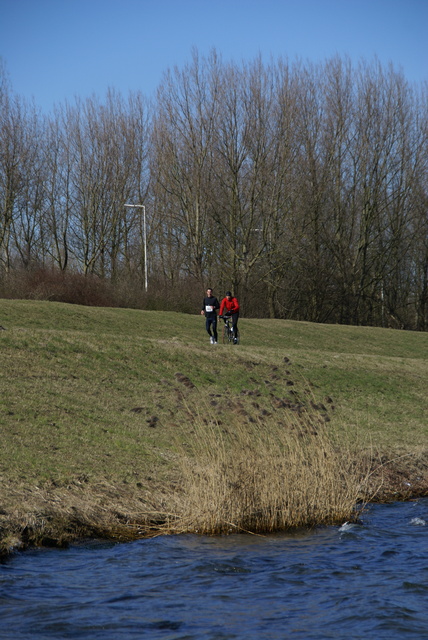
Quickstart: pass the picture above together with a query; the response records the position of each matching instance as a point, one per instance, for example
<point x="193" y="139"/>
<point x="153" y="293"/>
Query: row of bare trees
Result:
<point x="302" y="187"/>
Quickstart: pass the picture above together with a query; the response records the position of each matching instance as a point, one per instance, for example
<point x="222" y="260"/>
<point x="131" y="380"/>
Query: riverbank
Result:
<point x="57" y="516"/>
<point x="102" y="406"/>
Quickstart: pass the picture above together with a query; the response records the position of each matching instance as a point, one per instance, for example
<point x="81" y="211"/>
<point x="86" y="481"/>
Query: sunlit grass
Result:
<point x="108" y="406"/>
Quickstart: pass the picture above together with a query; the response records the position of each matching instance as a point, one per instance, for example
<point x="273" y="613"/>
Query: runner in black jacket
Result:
<point x="210" y="305"/>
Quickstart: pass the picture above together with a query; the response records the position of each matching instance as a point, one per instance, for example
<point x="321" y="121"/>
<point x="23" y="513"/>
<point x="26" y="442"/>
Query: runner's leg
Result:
<point x="215" y="328"/>
<point x="235" y="317"/>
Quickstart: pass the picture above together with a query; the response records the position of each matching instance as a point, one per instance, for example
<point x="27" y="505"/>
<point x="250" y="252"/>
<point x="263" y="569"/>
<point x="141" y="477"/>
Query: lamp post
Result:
<point x="141" y="206"/>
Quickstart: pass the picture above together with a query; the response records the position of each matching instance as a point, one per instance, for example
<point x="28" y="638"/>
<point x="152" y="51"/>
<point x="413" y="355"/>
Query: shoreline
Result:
<point x="56" y="518"/>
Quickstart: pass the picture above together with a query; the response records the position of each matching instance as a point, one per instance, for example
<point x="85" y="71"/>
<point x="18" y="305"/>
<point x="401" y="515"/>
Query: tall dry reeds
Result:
<point x="255" y="477"/>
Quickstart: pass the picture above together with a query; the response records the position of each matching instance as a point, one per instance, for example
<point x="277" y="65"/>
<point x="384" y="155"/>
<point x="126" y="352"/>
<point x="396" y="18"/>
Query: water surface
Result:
<point x="359" y="581"/>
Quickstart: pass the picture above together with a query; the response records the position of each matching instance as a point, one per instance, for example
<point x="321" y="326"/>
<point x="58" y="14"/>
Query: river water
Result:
<point x="358" y="581"/>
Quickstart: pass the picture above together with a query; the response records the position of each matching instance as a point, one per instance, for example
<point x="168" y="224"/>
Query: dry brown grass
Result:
<point x="263" y="477"/>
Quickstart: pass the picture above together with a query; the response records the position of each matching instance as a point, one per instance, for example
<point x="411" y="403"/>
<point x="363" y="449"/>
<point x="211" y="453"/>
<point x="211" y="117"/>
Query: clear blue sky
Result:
<point x="55" y="50"/>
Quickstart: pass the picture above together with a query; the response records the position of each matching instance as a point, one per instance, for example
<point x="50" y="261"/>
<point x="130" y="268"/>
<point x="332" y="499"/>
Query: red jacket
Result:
<point x="232" y="305"/>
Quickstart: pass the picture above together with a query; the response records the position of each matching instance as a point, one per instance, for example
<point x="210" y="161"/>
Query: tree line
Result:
<point x="302" y="187"/>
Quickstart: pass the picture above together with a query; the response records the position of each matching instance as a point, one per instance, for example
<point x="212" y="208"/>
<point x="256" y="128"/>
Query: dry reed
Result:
<point x="262" y="478"/>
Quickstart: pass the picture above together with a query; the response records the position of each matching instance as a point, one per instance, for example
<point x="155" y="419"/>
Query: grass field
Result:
<point x="100" y="407"/>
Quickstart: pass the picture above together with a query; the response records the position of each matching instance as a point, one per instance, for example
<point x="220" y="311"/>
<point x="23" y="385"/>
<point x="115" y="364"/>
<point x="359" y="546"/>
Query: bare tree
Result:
<point x="107" y="149"/>
<point x="15" y="163"/>
<point x="26" y="239"/>
<point x="186" y="113"/>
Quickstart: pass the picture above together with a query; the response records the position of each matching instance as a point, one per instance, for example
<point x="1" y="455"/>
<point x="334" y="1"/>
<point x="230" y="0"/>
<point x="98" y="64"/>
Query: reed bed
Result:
<point x="259" y="478"/>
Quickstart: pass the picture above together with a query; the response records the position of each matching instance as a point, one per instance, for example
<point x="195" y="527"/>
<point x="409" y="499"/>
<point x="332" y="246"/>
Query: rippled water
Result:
<point x="368" y="581"/>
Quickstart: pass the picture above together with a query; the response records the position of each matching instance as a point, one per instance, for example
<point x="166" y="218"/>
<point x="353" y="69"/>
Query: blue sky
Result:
<point x="55" y="50"/>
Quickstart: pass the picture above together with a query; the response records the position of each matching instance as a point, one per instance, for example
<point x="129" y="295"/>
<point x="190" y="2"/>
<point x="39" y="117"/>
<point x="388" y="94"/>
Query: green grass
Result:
<point x="109" y="395"/>
<point x="71" y="377"/>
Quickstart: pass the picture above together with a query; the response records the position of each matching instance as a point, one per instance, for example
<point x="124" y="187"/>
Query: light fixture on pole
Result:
<point x="141" y="206"/>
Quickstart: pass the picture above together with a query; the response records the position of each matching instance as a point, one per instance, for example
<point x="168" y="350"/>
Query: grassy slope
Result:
<point x="93" y="394"/>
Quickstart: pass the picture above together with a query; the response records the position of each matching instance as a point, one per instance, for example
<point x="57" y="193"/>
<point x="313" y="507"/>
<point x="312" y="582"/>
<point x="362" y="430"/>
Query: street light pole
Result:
<point x="141" y="206"/>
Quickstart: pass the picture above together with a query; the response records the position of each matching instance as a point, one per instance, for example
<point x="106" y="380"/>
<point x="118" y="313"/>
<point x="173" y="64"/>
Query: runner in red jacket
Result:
<point x="230" y="307"/>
